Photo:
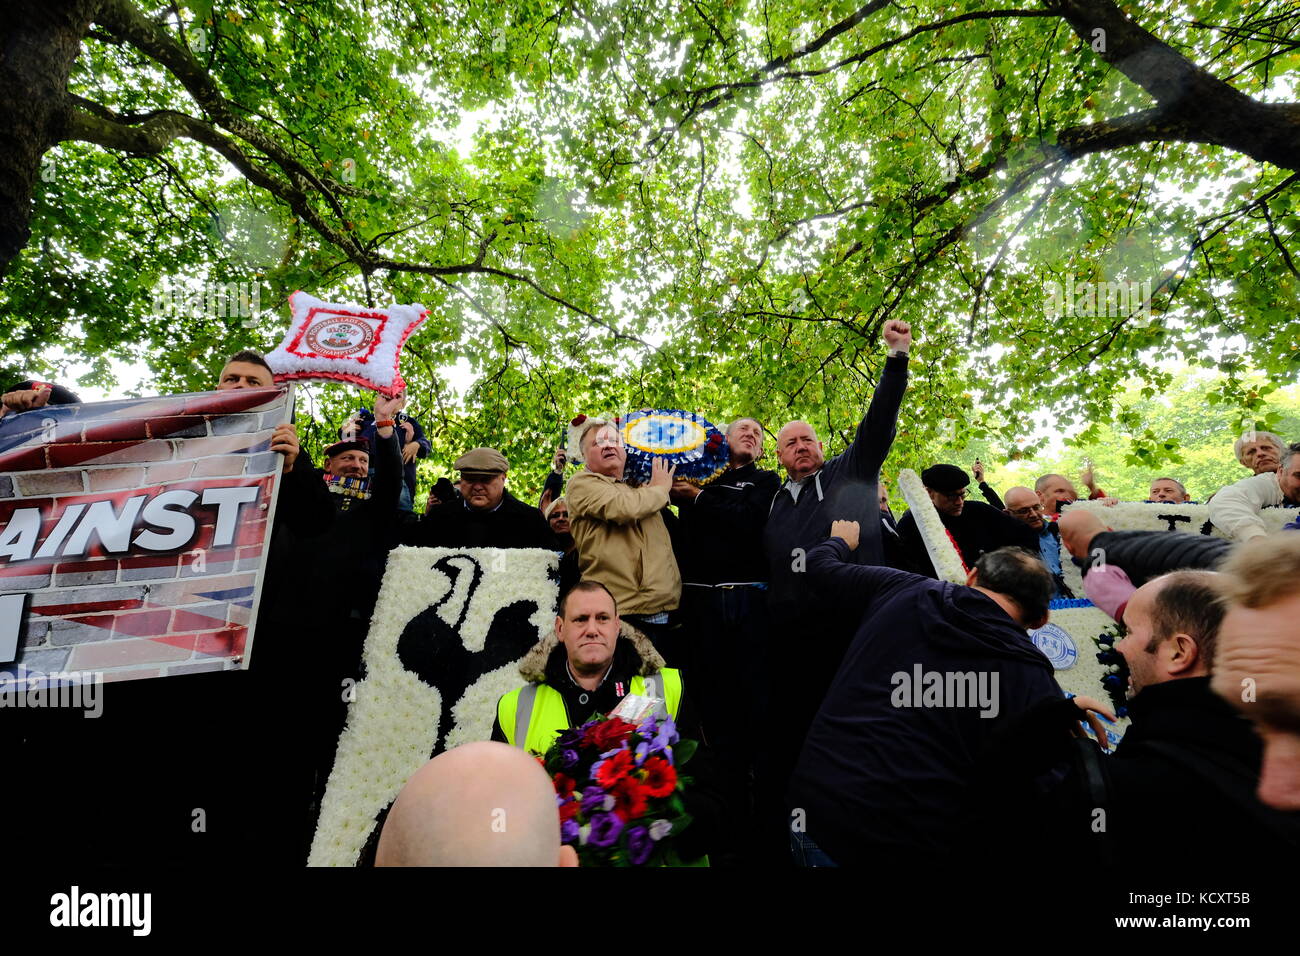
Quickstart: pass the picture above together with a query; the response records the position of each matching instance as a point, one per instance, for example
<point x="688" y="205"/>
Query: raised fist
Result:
<point x="898" y="335"/>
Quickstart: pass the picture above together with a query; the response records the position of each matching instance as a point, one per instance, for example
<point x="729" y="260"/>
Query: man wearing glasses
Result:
<point x="974" y="526"/>
<point x="1023" y="505"/>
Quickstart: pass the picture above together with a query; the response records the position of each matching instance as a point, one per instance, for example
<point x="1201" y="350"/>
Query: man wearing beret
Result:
<point x="486" y="515"/>
<point x="975" y="526"/>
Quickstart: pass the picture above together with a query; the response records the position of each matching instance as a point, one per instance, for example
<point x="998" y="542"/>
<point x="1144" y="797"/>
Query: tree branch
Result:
<point x="1188" y="96"/>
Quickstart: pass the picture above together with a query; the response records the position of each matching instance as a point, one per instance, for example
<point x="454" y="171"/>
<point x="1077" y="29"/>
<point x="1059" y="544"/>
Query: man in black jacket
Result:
<point x="486" y="516"/>
<point x="976" y="527"/>
<point x="209" y="782"/>
<point x="719" y="549"/>
<point x="816" y="491"/>
<point x="345" y="565"/>
<point x="1178" y="798"/>
<point x="933" y="671"/>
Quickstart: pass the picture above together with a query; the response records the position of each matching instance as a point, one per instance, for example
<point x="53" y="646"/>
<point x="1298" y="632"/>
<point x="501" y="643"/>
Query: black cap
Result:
<point x="945" y="478"/>
<point x="339" y="448"/>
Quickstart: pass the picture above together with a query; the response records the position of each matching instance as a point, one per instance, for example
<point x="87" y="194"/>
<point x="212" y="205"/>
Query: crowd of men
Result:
<point x="772" y="613"/>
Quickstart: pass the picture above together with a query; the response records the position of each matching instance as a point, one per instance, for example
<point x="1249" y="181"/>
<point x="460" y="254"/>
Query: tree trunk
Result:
<point x="39" y="41"/>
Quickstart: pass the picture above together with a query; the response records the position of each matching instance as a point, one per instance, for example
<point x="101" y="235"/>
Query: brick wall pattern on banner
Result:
<point x="117" y="607"/>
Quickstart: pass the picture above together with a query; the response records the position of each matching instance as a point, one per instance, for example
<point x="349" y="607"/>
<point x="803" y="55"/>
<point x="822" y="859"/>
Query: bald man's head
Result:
<point x="798" y="450"/>
<point x="1078" y="528"/>
<point x="1023" y="505"/>
<point x="482" y="804"/>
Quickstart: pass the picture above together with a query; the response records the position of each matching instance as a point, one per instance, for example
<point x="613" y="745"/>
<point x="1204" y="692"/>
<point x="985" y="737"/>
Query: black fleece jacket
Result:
<point x="885" y="769"/>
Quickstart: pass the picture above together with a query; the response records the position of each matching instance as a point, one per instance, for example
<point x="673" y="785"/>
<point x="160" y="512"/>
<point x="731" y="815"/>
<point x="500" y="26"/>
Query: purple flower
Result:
<point x="639" y="845"/>
<point x="605" y="828"/>
<point x="570" y="739"/>
<point x="642" y="751"/>
<point x="569" y="831"/>
<point x="593" y="798"/>
<point x="660" y="829"/>
<point x="666" y="736"/>
<point x="569" y="758"/>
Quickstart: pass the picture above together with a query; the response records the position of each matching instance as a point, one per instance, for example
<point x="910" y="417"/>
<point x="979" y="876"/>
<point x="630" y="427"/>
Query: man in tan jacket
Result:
<point x="621" y="537"/>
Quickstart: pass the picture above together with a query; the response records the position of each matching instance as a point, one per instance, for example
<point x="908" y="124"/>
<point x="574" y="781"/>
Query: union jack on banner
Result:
<point x="133" y="533"/>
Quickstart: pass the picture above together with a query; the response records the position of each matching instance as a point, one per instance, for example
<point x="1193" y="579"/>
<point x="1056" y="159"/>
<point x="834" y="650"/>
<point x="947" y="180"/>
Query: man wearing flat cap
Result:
<point x="486" y="515"/>
<point x="975" y="526"/>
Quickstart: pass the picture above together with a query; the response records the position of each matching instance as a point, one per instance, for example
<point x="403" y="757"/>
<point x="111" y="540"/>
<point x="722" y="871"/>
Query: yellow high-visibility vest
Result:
<point x="534" y="715"/>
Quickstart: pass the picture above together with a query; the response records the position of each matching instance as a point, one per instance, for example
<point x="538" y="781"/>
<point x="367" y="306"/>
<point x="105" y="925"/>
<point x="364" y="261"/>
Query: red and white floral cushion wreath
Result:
<point x="342" y="342"/>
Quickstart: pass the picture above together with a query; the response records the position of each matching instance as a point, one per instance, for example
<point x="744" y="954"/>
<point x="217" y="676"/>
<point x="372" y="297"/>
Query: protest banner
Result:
<point x="133" y="533"/>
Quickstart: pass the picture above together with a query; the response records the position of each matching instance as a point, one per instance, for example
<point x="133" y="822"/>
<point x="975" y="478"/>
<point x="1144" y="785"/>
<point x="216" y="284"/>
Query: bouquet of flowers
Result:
<point x="619" y="791"/>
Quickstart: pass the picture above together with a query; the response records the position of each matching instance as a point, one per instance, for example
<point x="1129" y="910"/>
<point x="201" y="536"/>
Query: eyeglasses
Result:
<point x="956" y="495"/>
<point x="1027" y="511"/>
<point x="559" y="516"/>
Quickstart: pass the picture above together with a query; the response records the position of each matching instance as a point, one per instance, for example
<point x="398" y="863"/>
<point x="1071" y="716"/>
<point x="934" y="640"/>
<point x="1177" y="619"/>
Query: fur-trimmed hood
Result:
<point x="533" y="665"/>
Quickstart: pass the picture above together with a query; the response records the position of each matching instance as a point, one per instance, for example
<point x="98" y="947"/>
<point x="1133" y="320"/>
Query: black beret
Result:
<point x="339" y="448"/>
<point x="945" y="478"/>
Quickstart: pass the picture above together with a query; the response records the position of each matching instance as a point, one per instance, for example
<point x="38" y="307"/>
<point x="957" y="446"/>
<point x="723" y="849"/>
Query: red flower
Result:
<point x="564" y="785"/>
<point x="607" y="734"/>
<point x="569" y="809"/>
<point x="629" y="798"/>
<point x="614" y="769"/>
<point x="578" y="421"/>
<point x="660" y="777"/>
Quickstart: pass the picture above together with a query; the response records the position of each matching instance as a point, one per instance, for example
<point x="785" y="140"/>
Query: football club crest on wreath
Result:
<point x="336" y="337"/>
<point x="1056" y="644"/>
<point x="688" y="440"/>
<point x="344" y="342"/>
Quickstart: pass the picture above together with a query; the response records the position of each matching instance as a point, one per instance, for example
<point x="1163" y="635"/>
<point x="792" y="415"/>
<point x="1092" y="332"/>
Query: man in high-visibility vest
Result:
<point x="587" y="670"/>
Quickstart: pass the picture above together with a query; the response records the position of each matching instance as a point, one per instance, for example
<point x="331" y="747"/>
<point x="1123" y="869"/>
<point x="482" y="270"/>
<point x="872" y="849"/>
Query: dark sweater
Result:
<point x="844" y="488"/>
<point x="882" y="773"/>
